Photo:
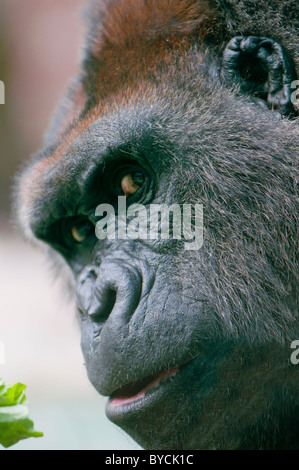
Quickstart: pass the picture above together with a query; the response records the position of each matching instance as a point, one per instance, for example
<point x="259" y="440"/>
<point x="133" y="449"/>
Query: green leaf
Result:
<point x="13" y="395"/>
<point x="15" y="424"/>
<point x="11" y="433"/>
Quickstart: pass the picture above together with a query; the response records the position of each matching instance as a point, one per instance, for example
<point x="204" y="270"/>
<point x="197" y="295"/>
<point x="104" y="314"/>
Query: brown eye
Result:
<point x="81" y="231"/>
<point x="131" y="183"/>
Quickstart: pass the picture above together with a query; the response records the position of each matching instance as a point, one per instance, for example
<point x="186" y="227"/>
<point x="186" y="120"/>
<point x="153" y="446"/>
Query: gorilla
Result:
<point x="186" y="102"/>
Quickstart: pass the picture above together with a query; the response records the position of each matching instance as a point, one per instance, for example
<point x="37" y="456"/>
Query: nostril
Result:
<point x="117" y="293"/>
<point x="102" y="305"/>
<point x="113" y="290"/>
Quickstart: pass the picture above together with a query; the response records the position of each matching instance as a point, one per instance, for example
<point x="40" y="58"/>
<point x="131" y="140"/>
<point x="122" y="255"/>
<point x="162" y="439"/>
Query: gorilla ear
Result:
<point x="261" y="68"/>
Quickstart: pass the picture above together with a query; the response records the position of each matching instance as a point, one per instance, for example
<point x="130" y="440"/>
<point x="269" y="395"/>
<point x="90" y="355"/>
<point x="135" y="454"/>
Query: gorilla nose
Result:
<point x="113" y="289"/>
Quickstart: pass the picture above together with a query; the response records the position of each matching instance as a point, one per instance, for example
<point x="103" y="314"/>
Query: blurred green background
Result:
<point x="40" y="45"/>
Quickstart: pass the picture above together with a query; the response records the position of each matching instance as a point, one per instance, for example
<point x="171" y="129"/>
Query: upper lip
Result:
<point x="143" y="382"/>
<point x="134" y="388"/>
<point x="149" y="381"/>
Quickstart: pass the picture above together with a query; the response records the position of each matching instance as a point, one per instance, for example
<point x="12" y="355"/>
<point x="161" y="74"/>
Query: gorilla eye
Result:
<point x="131" y="183"/>
<point x="81" y="230"/>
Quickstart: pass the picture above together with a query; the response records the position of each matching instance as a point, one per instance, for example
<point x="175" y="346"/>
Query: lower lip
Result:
<point x="123" y="401"/>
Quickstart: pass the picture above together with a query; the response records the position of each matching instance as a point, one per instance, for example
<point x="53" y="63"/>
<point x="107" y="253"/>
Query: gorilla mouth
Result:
<point x="136" y="391"/>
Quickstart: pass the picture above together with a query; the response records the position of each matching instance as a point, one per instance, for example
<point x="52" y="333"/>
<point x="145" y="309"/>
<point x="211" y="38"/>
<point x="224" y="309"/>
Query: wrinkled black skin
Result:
<point x="147" y="306"/>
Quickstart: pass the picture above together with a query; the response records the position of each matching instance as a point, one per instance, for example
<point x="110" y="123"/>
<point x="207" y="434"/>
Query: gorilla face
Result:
<point x="190" y="346"/>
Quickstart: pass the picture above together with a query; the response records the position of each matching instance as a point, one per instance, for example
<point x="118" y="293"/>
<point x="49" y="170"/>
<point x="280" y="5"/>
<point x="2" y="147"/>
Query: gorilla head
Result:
<point x="182" y="102"/>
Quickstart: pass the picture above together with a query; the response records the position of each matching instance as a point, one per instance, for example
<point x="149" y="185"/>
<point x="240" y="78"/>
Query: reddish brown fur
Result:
<point x="136" y="35"/>
<point x="131" y="24"/>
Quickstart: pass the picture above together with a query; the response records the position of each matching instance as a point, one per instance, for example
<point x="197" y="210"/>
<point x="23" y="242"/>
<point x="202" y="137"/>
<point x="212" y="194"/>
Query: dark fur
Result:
<point x="150" y="85"/>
